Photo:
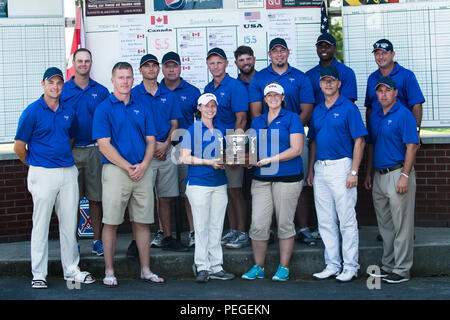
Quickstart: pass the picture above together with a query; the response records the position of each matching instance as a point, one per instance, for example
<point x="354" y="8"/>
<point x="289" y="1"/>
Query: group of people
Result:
<point x="124" y="150"/>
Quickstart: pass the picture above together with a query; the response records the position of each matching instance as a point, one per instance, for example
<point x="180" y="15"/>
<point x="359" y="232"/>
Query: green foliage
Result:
<point x="336" y="31"/>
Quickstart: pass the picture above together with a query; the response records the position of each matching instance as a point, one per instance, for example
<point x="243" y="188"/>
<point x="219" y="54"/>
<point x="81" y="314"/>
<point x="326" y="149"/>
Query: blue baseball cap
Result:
<point x="51" y="72"/>
<point x="326" y="37"/>
<point x="216" y="51"/>
<point x="383" y="44"/>
<point x="171" y="57"/>
<point x="148" y="57"/>
<point x="278" y="42"/>
<point x="387" y="81"/>
<point x="329" y="71"/>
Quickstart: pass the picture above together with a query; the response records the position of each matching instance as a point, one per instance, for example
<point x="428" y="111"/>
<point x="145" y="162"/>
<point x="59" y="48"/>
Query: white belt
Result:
<point x="89" y="145"/>
<point x="331" y="162"/>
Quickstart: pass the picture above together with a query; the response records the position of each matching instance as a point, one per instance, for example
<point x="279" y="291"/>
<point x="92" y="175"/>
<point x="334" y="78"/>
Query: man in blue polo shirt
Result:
<point x="125" y="132"/>
<point x="162" y="103"/>
<point x="84" y="95"/>
<point x="231" y="114"/>
<point x="187" y="96"/>
<point x="409" y="93"/>
<point x="43" y="143"/>
<point x="337" y="144"/>
<point x="393" y="143"/>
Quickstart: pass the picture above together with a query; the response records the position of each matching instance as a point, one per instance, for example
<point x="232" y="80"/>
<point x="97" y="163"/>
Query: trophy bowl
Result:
<point x="238" y="149"/>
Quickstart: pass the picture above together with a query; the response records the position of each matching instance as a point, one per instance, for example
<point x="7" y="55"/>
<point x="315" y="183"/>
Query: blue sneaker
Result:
<point x="256" y="272"/>
<point x="97" y="247"/>
<point x="282" y="274"/>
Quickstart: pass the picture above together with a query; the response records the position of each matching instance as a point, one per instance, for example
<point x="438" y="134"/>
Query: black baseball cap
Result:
<point x="278" y="42"/>
<point x="383" y="44"/>
<point x="51" y="72"/>
<point x="329" y="71"/>
<point x="217" y="51"/>
<point x="171" y="57"/>
<point x="326" y="37"/>
<point x="148" y="57"/>
<point x="387" y="81"/>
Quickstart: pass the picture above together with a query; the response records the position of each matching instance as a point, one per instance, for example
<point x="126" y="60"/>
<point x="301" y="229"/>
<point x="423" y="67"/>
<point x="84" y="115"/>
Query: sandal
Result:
<point x="39" y="284"/>
<point x="110" y="282"/>
<point x="81" y="277"/>
<point x="153" y="278"/>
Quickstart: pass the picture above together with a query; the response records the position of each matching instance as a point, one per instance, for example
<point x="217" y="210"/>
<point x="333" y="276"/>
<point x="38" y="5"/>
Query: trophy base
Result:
<point x="244" y="160"/>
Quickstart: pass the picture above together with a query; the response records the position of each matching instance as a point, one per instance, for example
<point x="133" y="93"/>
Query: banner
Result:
<point x="3" y="8"/>
<point x="85" y="226"/>
<point x="168" y="5"/>
<point x="284" y="4"/>
<point x="364" y="2"/>
<point x="78" y="41"/>
<point x="114" y="7"/>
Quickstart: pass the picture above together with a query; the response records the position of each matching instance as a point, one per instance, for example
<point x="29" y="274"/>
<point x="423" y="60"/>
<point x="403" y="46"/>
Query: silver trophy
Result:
<point x="239" y="149"/>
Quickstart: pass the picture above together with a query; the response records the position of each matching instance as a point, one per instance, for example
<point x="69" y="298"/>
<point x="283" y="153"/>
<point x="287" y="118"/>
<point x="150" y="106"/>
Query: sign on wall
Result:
<point x="114" y="7"/>
<point x="168" y="5"/>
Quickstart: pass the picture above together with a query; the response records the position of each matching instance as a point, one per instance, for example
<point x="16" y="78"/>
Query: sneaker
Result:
<point x="202" y="277"/>
<point x="157" y="242"/>
<point x="170" y="244"/>
<point x="240" y="241"/>
<point x="382" y="274"/>
<point x="282" y="274"/>
<point x="256" y="272"/>
<point x="229" y="236"/>
<point x="347" y="275"/>
<point x="271" y="237"/>
<point x="97" y="247"/>
<point x="327" y="273"/>
<point x="132" y="251"/>
<point x="221" y="275"/>
<point x="304" y="236"/>
<point x="395" y="278"/>
<point x="191" y="239"/>
<point x="316" y="235"/>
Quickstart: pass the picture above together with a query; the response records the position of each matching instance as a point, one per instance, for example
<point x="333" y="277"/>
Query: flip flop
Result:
<point x="39" y="284"/>
<point x="81" y="277"/>
<point x="110" y="282"/>
<point x="153" y="278"/>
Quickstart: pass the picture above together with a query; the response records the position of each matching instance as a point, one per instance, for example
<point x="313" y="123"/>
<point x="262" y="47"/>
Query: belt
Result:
<point x="330" y="162"/>
<point x="387" y="170"/>
<point x="88" y="146"/>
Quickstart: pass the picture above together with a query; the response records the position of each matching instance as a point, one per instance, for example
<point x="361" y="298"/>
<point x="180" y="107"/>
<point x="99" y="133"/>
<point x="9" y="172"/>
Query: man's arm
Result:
<point x="255" y="109"/>
<point x="307" y="109"/>
<point x="161" y="147"/>
<point x="241" y="120"/>
<point x="402" y="184"/>
<point x="417" y="112"/>
<point x="368" y="179"/>
<point x="138" y="170"/>
<point x="358" y="150"/>
<point x="111" y="153"/>
<point x="312" y="159"/>
<point x="21" y="150"/>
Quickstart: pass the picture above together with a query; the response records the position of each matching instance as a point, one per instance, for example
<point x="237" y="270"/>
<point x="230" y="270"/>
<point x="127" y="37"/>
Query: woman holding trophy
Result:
<point x="277" y="181"/>
<point x="206" y="189"/>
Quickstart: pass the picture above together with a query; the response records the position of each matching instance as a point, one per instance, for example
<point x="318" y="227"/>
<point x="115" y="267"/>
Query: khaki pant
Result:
<point x="395" y="216"/>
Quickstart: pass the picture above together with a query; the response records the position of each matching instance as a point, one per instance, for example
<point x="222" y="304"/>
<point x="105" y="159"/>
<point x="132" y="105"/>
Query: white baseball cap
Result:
<point x="273" y="87"/>
<point x="205" y="98"/>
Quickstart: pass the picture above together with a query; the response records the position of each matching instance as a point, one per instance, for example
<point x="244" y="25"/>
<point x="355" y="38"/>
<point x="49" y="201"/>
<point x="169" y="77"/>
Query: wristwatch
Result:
<point x="354" y="173"/>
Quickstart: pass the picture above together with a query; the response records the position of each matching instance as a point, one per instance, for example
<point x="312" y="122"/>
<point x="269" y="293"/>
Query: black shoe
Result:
<point x="306" y="237"/>
<point x="132" y="251"/>
<point x="379" y="237"/>
<point x="170" y="244"/>
<point x="202" y="277"/>
<point x="382" y="274"/>
<point x="395" y="278"/>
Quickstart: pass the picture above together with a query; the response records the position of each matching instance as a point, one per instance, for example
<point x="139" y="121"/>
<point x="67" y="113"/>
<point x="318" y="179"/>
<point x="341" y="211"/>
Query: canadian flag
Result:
<point x="78" y="42"/>
<point x="159" y="20"/>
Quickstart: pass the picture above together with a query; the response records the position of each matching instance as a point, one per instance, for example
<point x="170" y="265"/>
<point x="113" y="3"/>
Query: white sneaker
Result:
<point x="347" y="275"/>
<point x="327" y="273"/>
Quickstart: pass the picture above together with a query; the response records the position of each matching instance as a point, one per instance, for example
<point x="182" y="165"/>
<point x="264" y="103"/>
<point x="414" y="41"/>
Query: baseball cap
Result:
<point x="329" y="71"/>
<point x="273" y="87"/>
<point x="51" y="72"/>
<point x="205" y="98"/>
<point x="387" y="81"/>
<point x="383" y="44"/>
<point x="326" y="37"/>
<point x="148" y="57"/>
<point x="217" y="51"/>
<point x="171" y="57"/>
<point x="277" y="42"/>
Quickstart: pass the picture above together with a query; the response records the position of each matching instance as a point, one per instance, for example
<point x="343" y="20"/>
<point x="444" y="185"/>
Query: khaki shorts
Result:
<point x="120" y="191"/>
<point x="165" y="177"/>
<point x="267" y="196"/>
<point x="235" y="176"/>
<point x="88" y="161"/>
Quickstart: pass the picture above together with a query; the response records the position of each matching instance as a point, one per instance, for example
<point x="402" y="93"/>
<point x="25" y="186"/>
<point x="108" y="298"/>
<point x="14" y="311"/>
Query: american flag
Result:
<point x="252" y="15"/>
<point x="324" y="26"/>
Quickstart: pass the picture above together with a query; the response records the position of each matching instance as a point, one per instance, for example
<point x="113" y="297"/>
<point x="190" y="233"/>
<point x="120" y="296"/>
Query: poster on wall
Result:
<point x="168" y="5"/>
<point x="247" y="4"/>
<point x="3" y="8"/>
<point x="284" y="4"/>
<point x="114" y="7"/>
<point x="364" y="2"/>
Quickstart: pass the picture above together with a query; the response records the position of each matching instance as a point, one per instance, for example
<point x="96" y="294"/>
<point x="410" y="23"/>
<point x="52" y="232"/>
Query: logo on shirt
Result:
<point x="291" y="79"/>
<point x="389" y="122"/>
<point x="163" y="100"/>
<point x="335" y="115"/>
<point x="222" y="94"/>
<point x="278" y="122"/>
<point x="66" y="118"/>
<point x="183" y="98"/>
<point x="136" y="112"/>
<point x="94" y="95"/>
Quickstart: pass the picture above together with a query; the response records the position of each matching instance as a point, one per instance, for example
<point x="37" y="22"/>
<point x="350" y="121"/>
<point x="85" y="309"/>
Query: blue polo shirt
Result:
<point x="162" y="105"/>
<point x="203" y="144"/>
<point x="297" y="87"/>
<point x="127" y="126"/>
<point x="409" y="92"/>
<point x="186" y="98"/>
<point x="389" y="132"/>
<point x="47" y="134"/>
<point x="348" y="81"/>
<point x="334" y="129"/>
<point x="232" y="97"/>
<point x="285" y="124"/>
<point x="84" y="102"/>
